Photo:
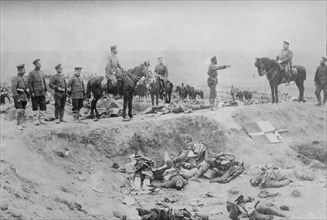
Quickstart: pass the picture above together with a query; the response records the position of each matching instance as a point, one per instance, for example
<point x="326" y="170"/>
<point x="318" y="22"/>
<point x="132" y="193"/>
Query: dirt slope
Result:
<point x="38" y="180"/>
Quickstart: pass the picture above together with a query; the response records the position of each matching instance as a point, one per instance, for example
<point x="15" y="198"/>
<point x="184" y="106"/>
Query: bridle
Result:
<point x="263" y="69"/>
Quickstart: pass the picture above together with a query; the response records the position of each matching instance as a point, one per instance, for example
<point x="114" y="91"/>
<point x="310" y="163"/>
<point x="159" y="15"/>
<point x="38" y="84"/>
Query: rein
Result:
<point x="270" y="79"/>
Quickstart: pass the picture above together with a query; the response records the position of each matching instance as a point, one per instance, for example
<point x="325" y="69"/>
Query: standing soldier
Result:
<point x="321" y="81"/>
<point x="213" y="80"/>
<point x="114" y="71"/>
<point x="285" y="60"/>
<point x="58" y="84"/>
<point x="76" y="86"/>
<point x="37" y="89"/>
<point x="162" y="71"/>
<point x="19" y="91"/>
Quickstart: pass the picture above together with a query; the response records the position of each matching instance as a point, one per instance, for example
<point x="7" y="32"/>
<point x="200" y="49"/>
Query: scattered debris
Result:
<point x="266" y="194"/>
<point x="285" y="207"/>
<point x="97" y="189"/>
<point x="296" y="193"/>
<point x="129" y="201"/>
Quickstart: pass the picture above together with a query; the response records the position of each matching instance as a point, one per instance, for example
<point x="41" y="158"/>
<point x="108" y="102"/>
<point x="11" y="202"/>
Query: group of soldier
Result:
<point x="34" y="88"/>
<point x="284" y="59"/>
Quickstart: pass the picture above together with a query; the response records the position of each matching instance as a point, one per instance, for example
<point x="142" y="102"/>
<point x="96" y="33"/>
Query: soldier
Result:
<point x="285" y="60"/>
<point x="162" y="71"/>
<point x="321" y="81"/>
<point x="76" y="85"/>
<point x="114" y="71"/>
<point x="20" y="95"/>
<point x="58" y="84"/>
<point x="232" y="92"/>
<point x="37" y="88"/>
<point x="213" y="80"/>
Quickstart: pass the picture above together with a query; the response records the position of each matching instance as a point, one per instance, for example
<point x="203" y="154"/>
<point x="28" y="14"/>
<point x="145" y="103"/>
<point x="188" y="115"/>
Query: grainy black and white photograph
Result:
<point x="163" y="110"/>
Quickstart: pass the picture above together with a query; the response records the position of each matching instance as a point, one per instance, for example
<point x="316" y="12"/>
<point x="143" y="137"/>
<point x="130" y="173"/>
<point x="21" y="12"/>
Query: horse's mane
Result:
<point x="268" y="62"/>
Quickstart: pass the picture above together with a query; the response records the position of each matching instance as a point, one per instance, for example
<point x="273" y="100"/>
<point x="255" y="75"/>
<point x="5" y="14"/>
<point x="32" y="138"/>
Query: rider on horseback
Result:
<point x="114" y="71"/>
<point x="284" y="60"/>
<point x="162" y="72"/>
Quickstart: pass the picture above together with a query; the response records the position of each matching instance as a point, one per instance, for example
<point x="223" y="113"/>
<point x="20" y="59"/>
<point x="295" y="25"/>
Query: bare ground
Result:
<point x="40" y="181"/>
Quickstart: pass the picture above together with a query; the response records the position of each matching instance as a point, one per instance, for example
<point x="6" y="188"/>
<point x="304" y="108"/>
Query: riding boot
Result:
<point x="41" y="117"/>
<point x="23" y="118"/>
<point x="35" y="118"/>
<point x="19" y="119"/>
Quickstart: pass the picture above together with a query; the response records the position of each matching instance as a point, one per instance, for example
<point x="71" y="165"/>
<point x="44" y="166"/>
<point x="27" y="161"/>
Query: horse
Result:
<point x="199" y="92"/>
<point x="141" y="90"/>
<point x="239" y="95"/>
<point x="271" y="69"/>
<point x="190" y="91"/>
<point x="168" y="90"/>
<point x="247" y="95"/>
<point x="181" y="91"/>
<point x="155" y="90"/>
<point x="129" y="80"/>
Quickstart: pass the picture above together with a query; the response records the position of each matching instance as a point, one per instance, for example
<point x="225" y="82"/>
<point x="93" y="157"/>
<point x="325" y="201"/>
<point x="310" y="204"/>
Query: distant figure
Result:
<point x="4" y="93"/>
<point x="114" y="71"/>
<point x="232" y="92"/>
<point x="77" y="93"/>
<point x="58" y="84"/>
<point x="20" y="94"/>
<point x="213" y="80"/>
<point x="37" y="88"/>
<point x="162" y="71"/>
<point x="285" y="60"/>
<point x="321" y="81"/>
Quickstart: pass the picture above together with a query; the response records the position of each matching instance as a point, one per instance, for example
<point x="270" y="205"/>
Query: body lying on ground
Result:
<point x="245" y="208"/>
<point x="274" y="177"/>
<point x="160" y="214"/>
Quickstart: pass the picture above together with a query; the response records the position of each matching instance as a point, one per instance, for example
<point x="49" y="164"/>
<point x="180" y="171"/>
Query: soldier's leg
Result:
<point x="75" y="109"/>
<point x="57" y="107"/>
<point x="204" y="166"/>
<point x="24" y="103"/>
<point x="43" y="109"/>
<point x="181" y="157"/>
<point x="35" y="107"/>
<point x="317" y="92"/>
<point x="62" y="110"/>
<point x="18" y="106"/>
<point x="325" y="92"/>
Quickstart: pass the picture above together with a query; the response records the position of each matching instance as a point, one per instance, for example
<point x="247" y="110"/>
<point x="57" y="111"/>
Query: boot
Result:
<point x="41" y="117"/>
<point x="19" y="119"/>
<point x="319" y="101"/>
<point x="137" y="183"/>
<point x="62" y="113"/>
<point x="35" y="118"/>
<point x="23" y="118"/>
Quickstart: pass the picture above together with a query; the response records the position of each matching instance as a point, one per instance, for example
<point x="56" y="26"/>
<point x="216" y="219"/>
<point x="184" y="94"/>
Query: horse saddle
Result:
<point x="104" y="83"/>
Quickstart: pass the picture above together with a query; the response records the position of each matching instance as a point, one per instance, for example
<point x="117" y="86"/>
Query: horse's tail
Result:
<point x="88" y="89"/>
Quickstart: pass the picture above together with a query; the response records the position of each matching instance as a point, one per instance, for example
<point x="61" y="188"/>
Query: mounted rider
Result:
<point x="114" y="71"/>
<point x="162" y="72"/>
<point x="284" y="60"/>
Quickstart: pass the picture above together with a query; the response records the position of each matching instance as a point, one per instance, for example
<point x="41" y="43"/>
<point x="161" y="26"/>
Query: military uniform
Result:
<point x="114" y="71"/>
<point x="213" y="81"/>
<point x="58" y="84"/>
<point x="20" y="95"/>
<point x="162" y="71"/>
<point x="285" y="57"/>
<point x="321" y="82"/>
<point x="37" y="88"/>
<point x="77" y="95"/>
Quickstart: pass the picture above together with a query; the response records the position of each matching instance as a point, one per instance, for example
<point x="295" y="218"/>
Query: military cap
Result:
<point x="213" y="58"/>
<point x="324" y="58"/>
<point x="20" y="66"/>
<point x="77" y="68"/>
<point x="285" y="42"/>
<point x="35" y="61"/>
<point x="58" y="66"/>
<point x="113" y="47"/>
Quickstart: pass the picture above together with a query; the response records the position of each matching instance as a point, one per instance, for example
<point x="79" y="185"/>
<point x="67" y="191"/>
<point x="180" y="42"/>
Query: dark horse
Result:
<point x="155" y="90"/>
<point x="271" y="69"/>
<point x="129" y="80"/>
<point x="168" y="90"/>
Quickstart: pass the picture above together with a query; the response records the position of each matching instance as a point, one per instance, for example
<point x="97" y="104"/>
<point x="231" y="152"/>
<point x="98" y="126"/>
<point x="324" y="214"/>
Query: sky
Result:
<point x="235" y="31"/>
<point x="159" y="26"/>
